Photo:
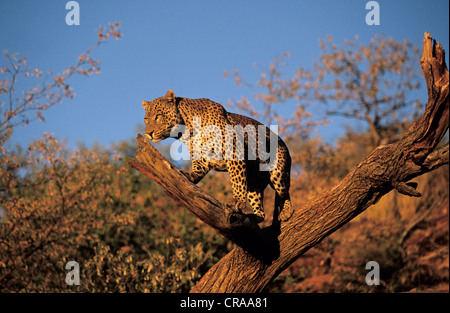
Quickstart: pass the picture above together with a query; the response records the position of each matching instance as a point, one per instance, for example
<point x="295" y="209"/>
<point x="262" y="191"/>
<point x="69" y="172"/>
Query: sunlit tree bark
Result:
<point x="263" y="253"/>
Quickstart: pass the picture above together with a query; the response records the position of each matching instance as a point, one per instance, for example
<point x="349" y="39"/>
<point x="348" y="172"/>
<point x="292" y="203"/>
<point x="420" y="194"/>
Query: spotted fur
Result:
<point x="248" y="181"/>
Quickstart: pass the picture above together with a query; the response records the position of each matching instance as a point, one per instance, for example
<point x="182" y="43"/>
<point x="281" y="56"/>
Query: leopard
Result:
<point x="248" y="181"/>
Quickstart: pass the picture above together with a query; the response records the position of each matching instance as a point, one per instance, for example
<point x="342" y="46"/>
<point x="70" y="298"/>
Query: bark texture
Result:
<point x="263" y="253"/>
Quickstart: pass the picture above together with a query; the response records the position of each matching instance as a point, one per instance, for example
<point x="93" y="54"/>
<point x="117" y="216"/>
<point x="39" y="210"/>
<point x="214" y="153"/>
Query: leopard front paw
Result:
<point x="237" y="205"/>
<point x="286" y="213"/>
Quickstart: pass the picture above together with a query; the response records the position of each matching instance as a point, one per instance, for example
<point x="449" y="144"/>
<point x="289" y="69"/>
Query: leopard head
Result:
<point x="161" y="116"/>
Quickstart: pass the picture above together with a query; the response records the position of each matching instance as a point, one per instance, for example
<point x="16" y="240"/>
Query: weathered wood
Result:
<point x="236" y="226"/>
<point x="386" y="168"/>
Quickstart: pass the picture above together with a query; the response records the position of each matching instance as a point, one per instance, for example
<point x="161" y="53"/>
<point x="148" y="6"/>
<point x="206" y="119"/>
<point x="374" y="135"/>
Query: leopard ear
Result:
<point x="145" y="104"/>
<point x="170" y="95"/>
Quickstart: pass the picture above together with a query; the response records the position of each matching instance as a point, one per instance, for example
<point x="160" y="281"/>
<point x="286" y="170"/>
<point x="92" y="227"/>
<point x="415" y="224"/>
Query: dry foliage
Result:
<point x="19" y="106"/>
<point x="87" y="205"/>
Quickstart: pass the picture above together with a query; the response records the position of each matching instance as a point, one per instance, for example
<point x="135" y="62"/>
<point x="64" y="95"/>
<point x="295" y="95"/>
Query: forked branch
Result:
<point x="386" y="168"/>
<point x="233" y="225"/>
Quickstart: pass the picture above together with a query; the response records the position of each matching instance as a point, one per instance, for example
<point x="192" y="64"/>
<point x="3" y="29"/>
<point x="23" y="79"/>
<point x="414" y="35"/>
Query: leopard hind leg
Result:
<point x="255" y="198"/>
<point x="280" y="181"/>
<point x="256" y="184"/>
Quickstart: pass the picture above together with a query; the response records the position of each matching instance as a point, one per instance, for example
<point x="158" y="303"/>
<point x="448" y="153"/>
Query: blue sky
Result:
<point x="186" y="46"/>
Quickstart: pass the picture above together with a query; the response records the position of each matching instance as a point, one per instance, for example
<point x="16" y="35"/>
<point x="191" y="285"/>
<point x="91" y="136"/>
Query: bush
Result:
<point x="90" y="207"/>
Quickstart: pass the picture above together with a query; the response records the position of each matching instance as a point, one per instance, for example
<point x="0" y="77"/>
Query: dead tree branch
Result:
<point x="386" y="168"/>
<point x="233" y="225"/>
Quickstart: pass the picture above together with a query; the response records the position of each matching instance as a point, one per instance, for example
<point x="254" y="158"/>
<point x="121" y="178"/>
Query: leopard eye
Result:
<point x="158" y="117"/>
<point x="146" y="120"/>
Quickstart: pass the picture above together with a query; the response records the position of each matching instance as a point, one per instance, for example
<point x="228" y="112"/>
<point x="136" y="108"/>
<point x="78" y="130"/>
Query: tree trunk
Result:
<point x="263" y="253"/>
